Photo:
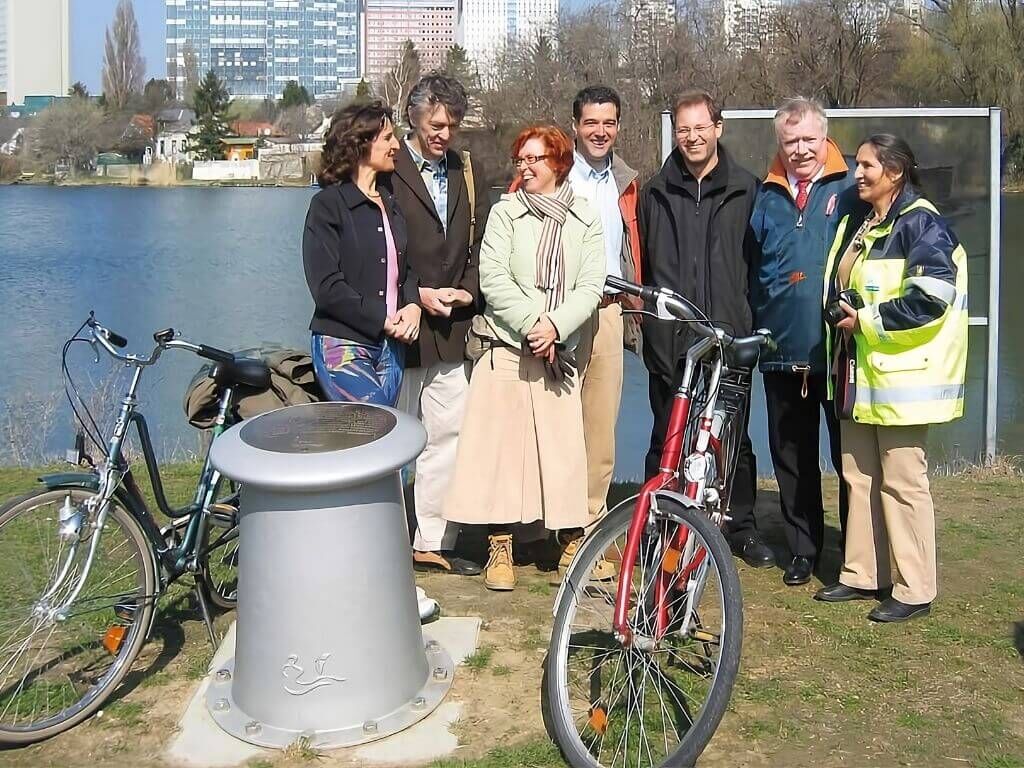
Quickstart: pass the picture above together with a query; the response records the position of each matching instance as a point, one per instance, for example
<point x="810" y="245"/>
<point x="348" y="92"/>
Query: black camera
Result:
<point x="834" y="313"/>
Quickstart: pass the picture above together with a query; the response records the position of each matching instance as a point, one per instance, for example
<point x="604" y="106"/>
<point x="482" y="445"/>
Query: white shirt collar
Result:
<point x="792" y="179"/>
<point x="586" y="170"/>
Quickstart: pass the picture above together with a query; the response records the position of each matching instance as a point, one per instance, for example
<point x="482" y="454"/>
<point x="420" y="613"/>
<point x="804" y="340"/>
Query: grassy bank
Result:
<point x="819" y="684"/>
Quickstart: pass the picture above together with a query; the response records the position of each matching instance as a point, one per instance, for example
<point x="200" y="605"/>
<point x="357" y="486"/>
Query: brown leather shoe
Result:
<point x="444" y="562"/>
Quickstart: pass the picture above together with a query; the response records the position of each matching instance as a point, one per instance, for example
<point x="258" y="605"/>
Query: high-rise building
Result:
<point x="431" y="25"/>
<point x="34" y="49"/>
<point x="748" y="23"/>
<point x="490" y="25"/>
<point x="257" y="46"/>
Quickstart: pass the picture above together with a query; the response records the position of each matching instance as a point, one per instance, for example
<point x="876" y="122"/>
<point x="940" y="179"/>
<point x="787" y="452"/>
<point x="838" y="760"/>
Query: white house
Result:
<point x="174" y="128"/>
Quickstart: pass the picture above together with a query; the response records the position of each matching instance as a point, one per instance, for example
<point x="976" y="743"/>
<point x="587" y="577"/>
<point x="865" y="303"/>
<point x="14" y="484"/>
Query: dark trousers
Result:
<point x="661" y="391"/>
<point x="793" y="423"/>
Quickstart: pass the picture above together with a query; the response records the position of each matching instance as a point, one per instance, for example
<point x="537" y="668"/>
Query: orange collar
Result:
<point x="834" y="163"/>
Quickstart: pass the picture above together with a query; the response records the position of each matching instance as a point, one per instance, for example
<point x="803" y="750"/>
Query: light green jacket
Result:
<point x="508" y="270"/>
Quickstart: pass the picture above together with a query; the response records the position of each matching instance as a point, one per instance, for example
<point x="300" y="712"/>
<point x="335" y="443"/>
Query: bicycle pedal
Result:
<point x="224" y="513"/>
<point x="125" y="612"/>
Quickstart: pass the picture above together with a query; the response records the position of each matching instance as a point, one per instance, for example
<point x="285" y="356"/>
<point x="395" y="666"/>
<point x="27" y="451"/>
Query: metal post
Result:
<point x="666" y="135"/>
<point x="995" y="243"/>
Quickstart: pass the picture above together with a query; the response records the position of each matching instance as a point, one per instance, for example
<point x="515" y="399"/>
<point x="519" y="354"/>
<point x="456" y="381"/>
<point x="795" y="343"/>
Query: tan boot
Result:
<point x="499" y="573"/>
<point x="602" y="570"/>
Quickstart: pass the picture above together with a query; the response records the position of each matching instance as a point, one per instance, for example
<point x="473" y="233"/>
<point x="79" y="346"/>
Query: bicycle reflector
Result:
<point x="598" y="720"/>
<point x="114" y="638"/>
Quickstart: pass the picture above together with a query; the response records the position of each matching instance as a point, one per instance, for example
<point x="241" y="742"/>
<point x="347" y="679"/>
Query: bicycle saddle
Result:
<point x="743" y="352"/>
<point x="246" y="371"/>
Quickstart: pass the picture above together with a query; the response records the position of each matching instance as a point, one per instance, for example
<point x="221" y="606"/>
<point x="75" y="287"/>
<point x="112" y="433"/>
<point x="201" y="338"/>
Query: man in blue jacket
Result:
<point x="795" y="217"/>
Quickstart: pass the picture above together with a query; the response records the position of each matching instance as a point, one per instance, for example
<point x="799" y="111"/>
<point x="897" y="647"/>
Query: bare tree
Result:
<point x="69" y="132"/>
<point x="395" y="86"/>
<point x="123" y="65"/>
<point x="191" y="60"/>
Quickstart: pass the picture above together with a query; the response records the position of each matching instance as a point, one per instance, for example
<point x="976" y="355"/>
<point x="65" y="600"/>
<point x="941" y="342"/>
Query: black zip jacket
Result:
<point x="697" y="240"/>
<point x="344" y="254"/>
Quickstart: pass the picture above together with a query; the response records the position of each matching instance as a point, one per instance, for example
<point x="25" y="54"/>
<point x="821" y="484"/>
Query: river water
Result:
<point x="223" y="266"/>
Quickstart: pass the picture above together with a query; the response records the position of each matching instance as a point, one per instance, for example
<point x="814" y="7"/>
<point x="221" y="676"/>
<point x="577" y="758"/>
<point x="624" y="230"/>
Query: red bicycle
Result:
<point x="639" y="672"/>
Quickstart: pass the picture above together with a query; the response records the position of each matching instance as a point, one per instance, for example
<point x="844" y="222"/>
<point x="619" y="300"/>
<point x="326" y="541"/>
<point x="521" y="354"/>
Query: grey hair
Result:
<point x="796" y="108"/>
<point x="433" y="90"/>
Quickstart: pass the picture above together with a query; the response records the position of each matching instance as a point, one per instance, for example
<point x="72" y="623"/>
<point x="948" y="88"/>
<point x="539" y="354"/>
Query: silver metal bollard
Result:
<point x="328" y="646"/>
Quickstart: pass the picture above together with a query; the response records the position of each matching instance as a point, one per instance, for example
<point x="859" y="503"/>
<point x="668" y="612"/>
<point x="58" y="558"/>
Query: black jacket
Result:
<point x="441" y="260"/>
<point x="344" y="254"/>
<point x="707" y="262"/>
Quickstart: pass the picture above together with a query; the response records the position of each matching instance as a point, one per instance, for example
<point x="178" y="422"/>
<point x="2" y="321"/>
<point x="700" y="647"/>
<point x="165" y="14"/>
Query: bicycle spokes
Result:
<point x="633" y="703"/>
<point x="54" y="650"/>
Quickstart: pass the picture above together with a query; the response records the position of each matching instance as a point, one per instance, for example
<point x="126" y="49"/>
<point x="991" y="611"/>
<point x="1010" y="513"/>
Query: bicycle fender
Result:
<point x="678" y="498"/>
<point x="88" y="480"/>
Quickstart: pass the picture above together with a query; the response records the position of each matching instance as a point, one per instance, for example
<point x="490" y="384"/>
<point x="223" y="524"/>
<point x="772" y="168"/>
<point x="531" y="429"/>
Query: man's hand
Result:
<point x="405" y="325"/>
<point x="431" y="300"/>
<point x="542" y="337"/>
<point x="455" y="297"/>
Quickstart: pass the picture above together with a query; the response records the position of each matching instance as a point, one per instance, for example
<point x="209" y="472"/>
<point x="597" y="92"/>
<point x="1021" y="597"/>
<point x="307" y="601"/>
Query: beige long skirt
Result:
<point x="521" y="454"/>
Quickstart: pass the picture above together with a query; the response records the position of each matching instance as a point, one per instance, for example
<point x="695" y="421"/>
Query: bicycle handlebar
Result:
<point x="669" y="305"/>
<point x="111" y="342"/>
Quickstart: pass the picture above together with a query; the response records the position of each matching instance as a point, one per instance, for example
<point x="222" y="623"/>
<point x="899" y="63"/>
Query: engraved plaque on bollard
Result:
<point x="328" y="643"/>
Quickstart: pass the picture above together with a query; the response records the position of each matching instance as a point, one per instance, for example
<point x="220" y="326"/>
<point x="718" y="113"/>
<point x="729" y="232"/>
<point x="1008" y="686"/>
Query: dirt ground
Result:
<point x="819" y="684"/>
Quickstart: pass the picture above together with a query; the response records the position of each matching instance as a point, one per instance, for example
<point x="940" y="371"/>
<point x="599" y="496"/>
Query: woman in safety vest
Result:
<point x="896" y="300"/>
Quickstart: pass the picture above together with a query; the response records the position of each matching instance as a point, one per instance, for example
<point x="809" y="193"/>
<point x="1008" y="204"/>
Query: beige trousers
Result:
<point x="437" y="396"/>
<point x="521" y="454"/>
<point x="890" y="534"/>
<point x="600" y="354"/>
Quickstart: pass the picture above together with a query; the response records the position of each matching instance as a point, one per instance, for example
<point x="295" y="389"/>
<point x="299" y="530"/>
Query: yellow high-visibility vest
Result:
<point x="909" y="375"/>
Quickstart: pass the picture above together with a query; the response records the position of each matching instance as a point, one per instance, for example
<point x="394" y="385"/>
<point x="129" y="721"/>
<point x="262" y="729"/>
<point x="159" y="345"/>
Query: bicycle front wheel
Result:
<point x="59" y="664"/>
<point x="657" y="700"/>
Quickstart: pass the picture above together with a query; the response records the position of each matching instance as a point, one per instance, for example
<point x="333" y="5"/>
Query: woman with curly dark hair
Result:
<point x="354" y="255"/>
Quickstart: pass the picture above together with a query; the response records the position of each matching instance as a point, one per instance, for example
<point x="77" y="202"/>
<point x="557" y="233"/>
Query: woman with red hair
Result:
<point x="521" y="455"/>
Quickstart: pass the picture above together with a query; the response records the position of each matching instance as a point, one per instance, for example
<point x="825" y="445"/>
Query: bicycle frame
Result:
<point x="707" y="446"/>
<point x="115" y="473"/>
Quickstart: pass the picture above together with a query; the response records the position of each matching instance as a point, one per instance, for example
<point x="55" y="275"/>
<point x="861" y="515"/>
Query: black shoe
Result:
<point x="753" y="551"/>
<point x="840" y="593"/>
<point x="444" y="562"/>
<point x="799" y="571"/>
<point x="892" y="610"/>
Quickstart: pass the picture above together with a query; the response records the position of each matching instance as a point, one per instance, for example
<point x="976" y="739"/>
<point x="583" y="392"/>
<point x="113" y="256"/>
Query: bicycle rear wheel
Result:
<point x="55" y="670"/>
<point x="658" y="701"/>
<point x="219" y="555"/>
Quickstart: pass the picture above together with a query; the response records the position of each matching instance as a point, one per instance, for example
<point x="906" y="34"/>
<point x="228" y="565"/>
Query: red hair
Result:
<point x="558" y="147"/>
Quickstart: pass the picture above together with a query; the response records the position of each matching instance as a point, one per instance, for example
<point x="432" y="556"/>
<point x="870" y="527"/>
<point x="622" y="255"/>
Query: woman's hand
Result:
<point x="405" y="325"/>
<point x="542" y="336"/>
<point x="851" y="323"/>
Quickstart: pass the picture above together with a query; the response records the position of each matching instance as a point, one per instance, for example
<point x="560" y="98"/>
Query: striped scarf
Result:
<point x="551" y="210"/>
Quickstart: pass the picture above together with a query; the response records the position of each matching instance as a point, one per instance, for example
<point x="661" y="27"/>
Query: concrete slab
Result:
<point x="200" y="743"/>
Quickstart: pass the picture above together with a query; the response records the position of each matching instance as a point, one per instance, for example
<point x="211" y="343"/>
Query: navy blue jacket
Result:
<point x="788" y="283"/>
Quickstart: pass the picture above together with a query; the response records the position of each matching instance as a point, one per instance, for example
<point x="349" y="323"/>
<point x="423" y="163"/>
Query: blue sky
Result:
<point x="89" y="20"/>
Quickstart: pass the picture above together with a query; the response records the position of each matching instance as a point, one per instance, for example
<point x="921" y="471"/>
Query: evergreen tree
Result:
<point x="211" y="102"/>
<point x="295" y="95"/>
<point x="363" y="90"/>
<point x="79" y="90"/>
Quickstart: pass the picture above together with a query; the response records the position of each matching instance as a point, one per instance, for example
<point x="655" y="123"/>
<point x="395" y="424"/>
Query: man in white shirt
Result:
<point x="601" y="176"/>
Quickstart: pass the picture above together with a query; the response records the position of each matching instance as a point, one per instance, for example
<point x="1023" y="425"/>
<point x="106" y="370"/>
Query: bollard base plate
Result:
<point x="234" y="721"/>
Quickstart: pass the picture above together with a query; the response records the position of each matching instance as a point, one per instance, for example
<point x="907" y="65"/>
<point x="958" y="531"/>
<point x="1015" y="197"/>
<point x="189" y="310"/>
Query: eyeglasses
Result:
<point x="529" y="160"/>
<point x="697" y="130"/>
